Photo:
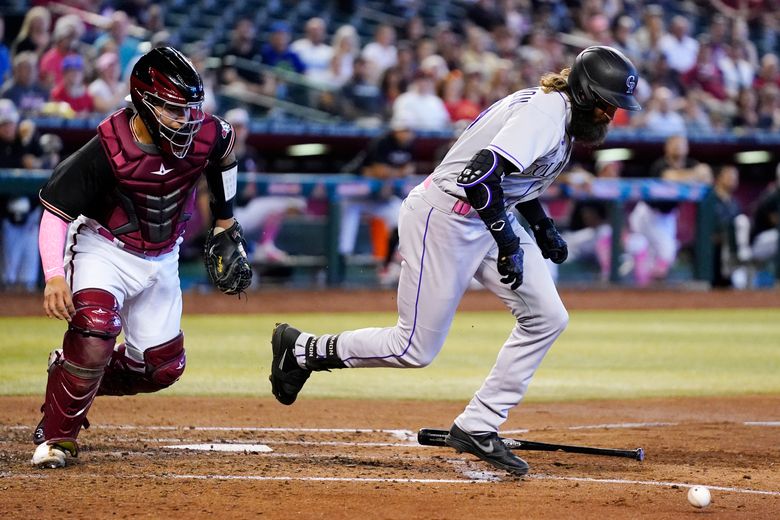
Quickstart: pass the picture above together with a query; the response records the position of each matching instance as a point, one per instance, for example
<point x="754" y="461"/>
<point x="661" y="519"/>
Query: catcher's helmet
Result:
<point x="601" y="75"/>
<point x="167" y="92"/>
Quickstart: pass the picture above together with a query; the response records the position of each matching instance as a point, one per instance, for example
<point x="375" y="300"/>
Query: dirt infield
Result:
<point x="356" y="460"/>
<point x="350" y="459"/>
<point x="282" y="301"/>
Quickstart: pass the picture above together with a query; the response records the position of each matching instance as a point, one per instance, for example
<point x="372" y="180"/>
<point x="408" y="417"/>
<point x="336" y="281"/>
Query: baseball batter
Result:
<point x="127" y="195"/>
<point x="455" y="226"/>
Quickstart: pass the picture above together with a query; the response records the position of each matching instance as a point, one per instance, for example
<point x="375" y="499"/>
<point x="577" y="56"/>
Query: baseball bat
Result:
<point x="434" y="437"/>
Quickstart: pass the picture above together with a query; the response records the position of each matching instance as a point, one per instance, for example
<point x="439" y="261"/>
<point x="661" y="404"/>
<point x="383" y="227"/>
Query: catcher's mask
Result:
<point x="603" y="76"/>
<point x="167" y="92"/>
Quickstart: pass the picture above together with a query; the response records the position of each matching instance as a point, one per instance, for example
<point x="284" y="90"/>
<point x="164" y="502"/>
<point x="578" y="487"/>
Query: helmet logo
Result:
<point x="630" y="84"/>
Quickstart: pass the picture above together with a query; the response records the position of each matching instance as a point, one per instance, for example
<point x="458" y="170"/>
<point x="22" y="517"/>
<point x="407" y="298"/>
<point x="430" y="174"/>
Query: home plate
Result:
<point x="242" y="448"/>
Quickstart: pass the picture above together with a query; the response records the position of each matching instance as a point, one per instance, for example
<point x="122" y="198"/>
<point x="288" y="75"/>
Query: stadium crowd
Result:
<point x="705" y="67"/>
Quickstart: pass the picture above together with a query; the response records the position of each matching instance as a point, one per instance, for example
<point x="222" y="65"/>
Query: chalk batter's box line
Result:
<point x="56" y="475"/>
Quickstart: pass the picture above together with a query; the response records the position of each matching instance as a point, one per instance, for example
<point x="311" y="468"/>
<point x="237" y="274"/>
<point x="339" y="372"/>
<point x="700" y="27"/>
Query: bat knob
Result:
<point x="640" y="454"/>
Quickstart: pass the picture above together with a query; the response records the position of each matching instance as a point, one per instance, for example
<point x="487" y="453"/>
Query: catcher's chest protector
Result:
<point x="155" y="194"/>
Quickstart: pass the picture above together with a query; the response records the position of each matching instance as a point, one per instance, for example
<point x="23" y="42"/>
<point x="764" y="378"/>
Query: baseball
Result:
<point x="699" y="496"/>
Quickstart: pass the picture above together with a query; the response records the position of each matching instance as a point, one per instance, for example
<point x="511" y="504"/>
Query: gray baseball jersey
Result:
<point x="529" y="129"/>
<point x="444" y="244"/>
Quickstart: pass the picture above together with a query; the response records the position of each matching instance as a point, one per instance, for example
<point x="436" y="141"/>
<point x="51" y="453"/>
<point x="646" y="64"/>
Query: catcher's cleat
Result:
<point x="287" y="377"/>
<point x="488" y="447"/>
<point x="49" y="456"/>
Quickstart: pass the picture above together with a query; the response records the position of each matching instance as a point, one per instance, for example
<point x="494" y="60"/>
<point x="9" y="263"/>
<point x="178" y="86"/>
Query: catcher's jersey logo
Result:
<point x="162" y="171"/>
<point x="225" y="128"/>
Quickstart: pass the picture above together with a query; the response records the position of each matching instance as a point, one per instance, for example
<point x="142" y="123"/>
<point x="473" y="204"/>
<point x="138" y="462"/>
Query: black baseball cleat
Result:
<point x="488" y="447"/>
<point x="287" y="377"/>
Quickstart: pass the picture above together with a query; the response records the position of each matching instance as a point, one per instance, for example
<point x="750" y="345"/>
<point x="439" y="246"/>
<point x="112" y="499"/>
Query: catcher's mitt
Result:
<point x="225" y="258"/>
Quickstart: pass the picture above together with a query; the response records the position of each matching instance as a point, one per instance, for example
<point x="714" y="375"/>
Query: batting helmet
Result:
<point x="600" y="75"/>
<point x="167" y="92"/>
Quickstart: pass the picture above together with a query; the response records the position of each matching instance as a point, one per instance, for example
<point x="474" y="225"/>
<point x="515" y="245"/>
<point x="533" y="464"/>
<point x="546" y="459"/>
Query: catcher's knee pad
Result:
<point x="165" y="363"/>
<point x="93" y="329"/>
<point x="161" y="367"/>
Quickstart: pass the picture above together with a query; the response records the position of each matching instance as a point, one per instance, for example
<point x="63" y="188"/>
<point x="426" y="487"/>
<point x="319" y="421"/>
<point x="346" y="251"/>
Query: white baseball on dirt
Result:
<point x="699" y="496"/>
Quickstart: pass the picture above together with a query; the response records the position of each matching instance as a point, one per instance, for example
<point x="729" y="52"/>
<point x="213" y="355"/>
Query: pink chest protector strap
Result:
<point x="51" y="244"/>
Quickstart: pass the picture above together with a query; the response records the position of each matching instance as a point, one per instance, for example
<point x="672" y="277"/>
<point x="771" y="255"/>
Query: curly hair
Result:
<point x="558" y="81"/>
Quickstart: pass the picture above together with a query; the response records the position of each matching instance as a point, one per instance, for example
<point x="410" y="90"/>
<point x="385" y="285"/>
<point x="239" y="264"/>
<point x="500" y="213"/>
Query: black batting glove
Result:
<point x="550" y="242"/>
<point x="510" y="266"/>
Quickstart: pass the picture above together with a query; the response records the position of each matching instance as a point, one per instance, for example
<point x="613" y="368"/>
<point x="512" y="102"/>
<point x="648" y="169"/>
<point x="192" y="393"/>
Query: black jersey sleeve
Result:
<point x="80" y="184"/>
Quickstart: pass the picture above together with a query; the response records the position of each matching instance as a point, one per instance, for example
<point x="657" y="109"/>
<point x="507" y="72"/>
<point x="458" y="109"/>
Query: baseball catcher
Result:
<point x="129" y="193"/>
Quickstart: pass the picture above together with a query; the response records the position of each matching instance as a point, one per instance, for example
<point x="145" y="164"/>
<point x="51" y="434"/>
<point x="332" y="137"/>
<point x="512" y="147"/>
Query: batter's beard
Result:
<point x="585" y="130"/>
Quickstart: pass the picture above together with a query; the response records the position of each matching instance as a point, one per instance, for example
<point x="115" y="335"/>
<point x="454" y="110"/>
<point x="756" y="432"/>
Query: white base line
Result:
<point x="55" y="474"/>
<point x="399" y="433"/>
<point x="654" y="483"/>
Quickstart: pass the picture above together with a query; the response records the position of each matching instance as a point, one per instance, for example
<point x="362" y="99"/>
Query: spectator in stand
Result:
<point x="313" y="51"/>
<point x="387" y="158"/>
<point x="502" y="83"/>
<point x="678" y="46"/>
<point x="731" y="231"/>
<point x="107" y="91"/>
<point x="241" y="53"/>
<point x="65" y="40"/>
<point x="381" y="53"/>
<point x="738" y="71"/>
<point x="278" y="55"/>
<point x="746" y="113"/>
<point x="659" y="74"/>
<point x="420" y="107"/>
<point x="459" y="106"/>
<point x="391" y="86"/>
<point x="662" y="117"/>
<point x="476" y="55"/>
<point x="346" y="48"/>
<point x="71" y="89"/>
<point x="407" y="63"/>
<point x="766" y="223"/>
<point x="34" y="34"/>
<point x="153" y="19"/>
<point x="657" y="220"/>
<point x="414" y="30"/>
<point x="769" y="108"/>
<point x="623" y="38"/>
<point x="650" y="34"/>
<point x="361" y="100"/>
<point x="51" y="146"/>
<point x="506" y="43"/>
<point x="23" y="88"/>
<point x="706" y="75"/>
<point x="20" y="215"/>
<point x="277" y="52"/>
<point x="697" y="120"/>
<point x="118" y="34"/>
<point x="199" y="54"/>
<point x="769" y="71"/>
<point x="261" y="216"/>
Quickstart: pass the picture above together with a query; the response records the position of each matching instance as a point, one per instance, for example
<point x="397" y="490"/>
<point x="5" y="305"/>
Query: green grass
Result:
<point x="603" y="354"/>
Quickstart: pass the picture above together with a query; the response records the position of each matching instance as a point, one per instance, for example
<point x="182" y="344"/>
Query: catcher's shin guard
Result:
<point x="163" y="365"/>
<point x="75" y="374"/>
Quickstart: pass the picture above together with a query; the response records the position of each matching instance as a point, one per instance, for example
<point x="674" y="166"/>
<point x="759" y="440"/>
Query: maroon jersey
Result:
<point x="141" y="198"/>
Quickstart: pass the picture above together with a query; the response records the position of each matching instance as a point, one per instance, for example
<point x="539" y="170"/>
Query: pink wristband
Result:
<point x="51" y="244"/>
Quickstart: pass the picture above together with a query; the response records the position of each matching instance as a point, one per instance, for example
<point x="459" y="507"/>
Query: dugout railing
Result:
<point x="617" y="193"/>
